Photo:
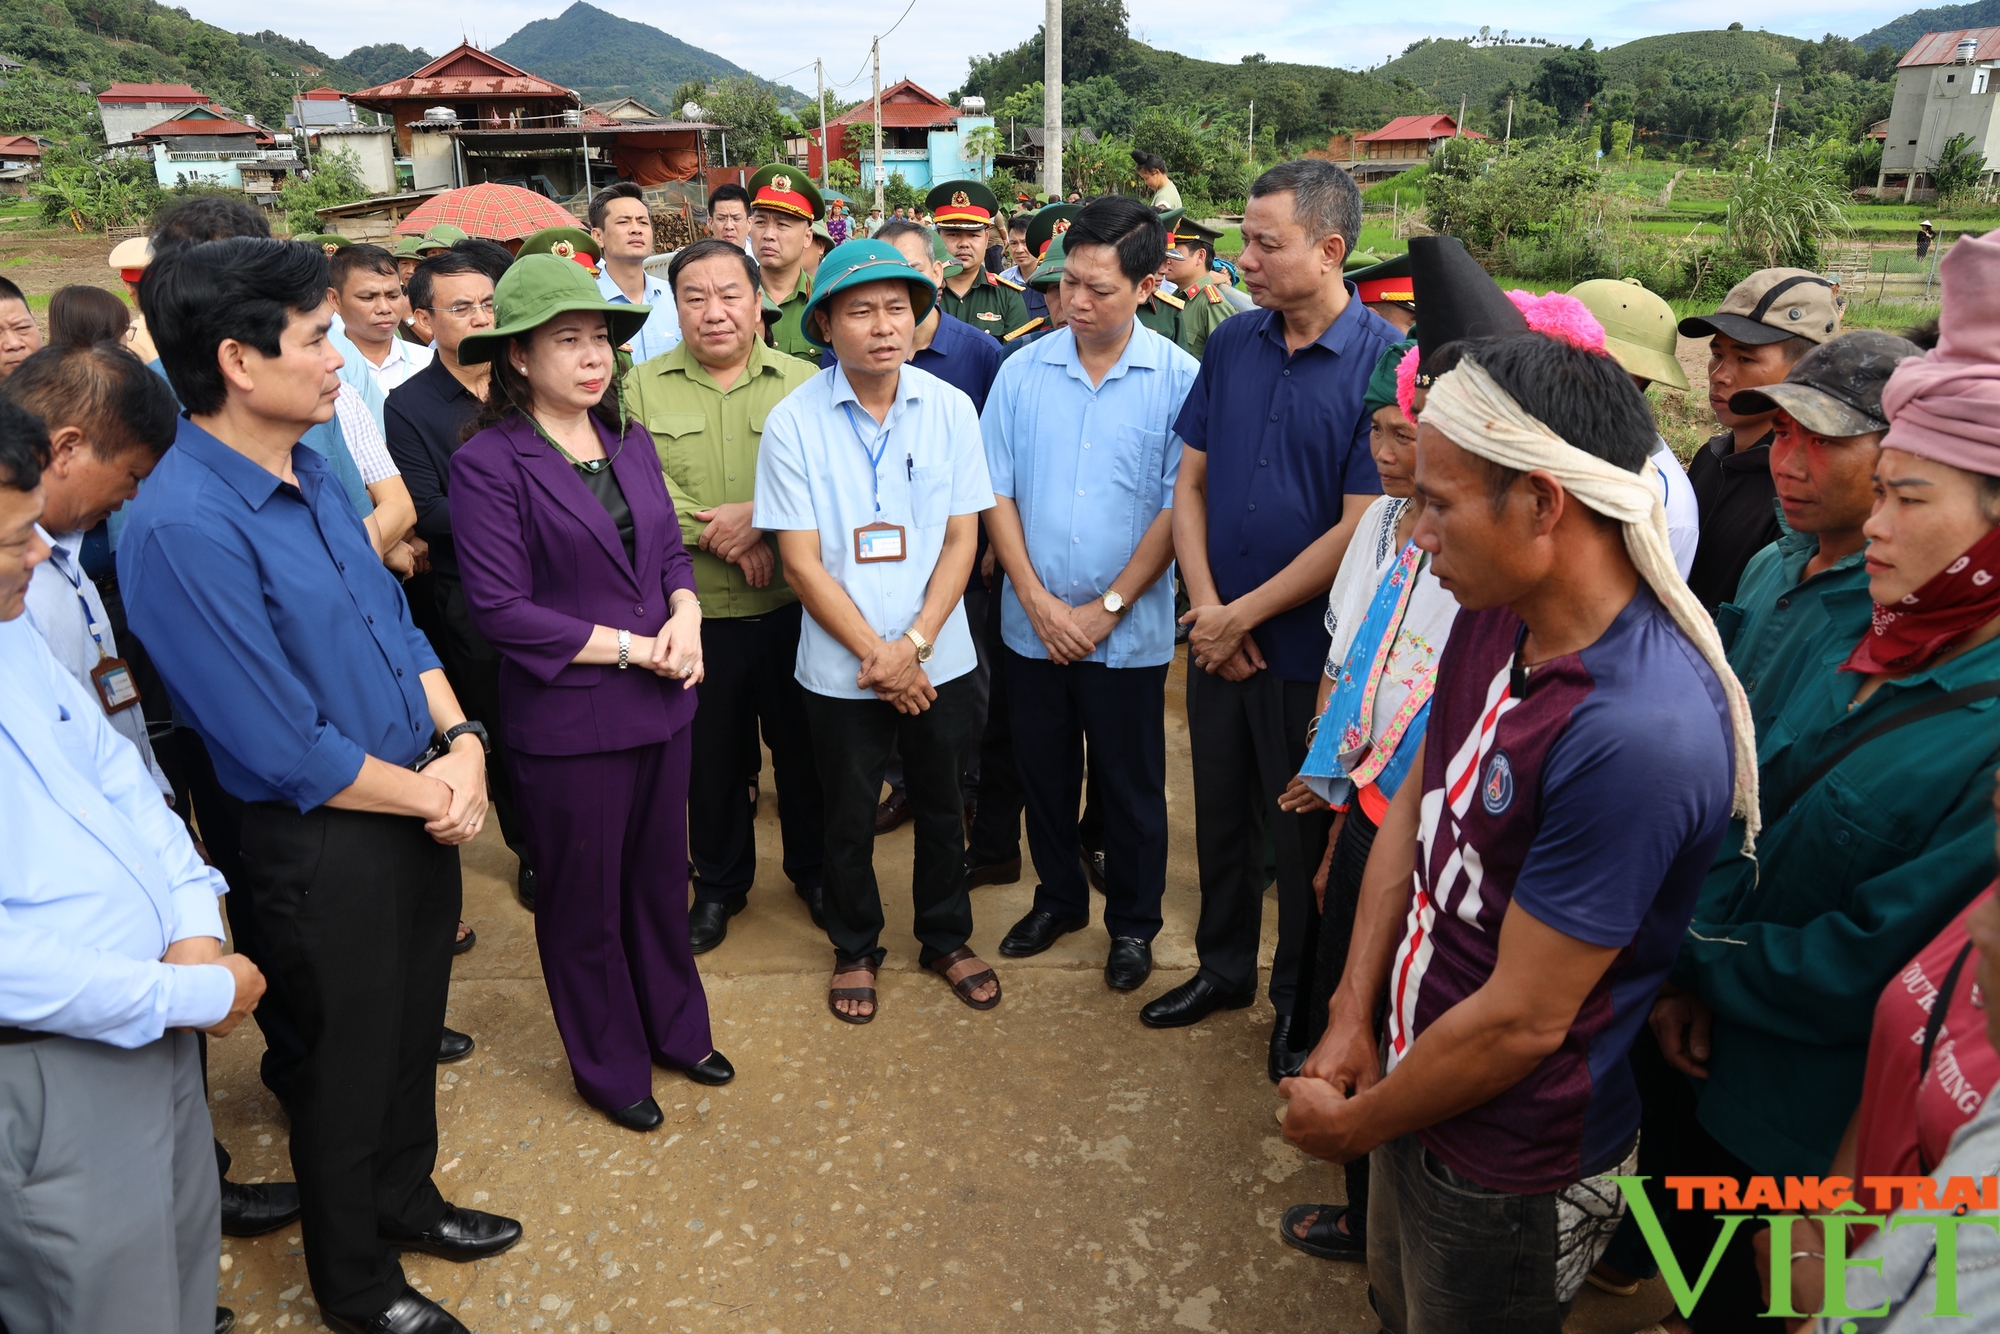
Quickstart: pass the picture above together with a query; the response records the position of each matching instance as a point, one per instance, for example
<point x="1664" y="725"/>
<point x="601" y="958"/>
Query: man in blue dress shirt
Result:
<point x="872" y="476"/>
<point x="1275" y="477"/>
<point x="291" y="651"/>
<point x="622" y="226"/>
<point x="110" y="953"/>
<point x="1082" y="452"/>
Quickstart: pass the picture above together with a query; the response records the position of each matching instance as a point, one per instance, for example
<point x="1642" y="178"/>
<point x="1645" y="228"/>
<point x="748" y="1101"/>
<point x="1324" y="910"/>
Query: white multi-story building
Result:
<point x="1948" y="83"/>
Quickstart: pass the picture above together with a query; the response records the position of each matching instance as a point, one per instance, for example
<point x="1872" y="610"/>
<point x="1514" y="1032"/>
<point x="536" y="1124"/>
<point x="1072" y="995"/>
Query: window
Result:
<point x="1951" y="78"/>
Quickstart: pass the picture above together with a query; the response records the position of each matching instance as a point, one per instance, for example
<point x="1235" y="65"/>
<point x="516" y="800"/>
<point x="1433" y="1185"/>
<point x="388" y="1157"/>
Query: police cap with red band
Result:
<point x="786" y="189"/>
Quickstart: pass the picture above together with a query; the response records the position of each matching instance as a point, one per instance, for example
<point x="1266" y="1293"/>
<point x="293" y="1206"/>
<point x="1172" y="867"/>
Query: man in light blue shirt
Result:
<point x="110" y="952"/>
<point x="872" y="475"/>
<point x="622" y="226"/>
<point x="1083" y="456"/>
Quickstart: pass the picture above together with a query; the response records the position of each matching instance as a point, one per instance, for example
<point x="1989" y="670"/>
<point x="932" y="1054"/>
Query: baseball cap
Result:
<point x="1770" y="306"/>
<point x="1835" y="390"/>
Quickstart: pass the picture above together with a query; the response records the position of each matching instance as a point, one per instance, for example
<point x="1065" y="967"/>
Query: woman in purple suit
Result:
<point x="574" y="570"/>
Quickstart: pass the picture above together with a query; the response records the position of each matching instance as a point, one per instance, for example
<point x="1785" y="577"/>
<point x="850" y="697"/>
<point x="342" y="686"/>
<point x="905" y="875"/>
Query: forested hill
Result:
<point x="1901" y="33"/>
<point x="604" y="57"/>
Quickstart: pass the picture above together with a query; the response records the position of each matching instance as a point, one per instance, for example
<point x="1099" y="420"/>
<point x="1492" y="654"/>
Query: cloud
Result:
<point x="779" y="39"/>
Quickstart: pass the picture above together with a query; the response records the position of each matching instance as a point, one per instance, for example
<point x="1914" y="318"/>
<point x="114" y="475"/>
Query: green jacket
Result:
<point x="707" y="440"/>
<point x="1776" y="612"/>
<point x="1204" y="307"/>
<point x="1792" y="950"/>
<point x="991" y="304"/>
<point x="788" y="335"/>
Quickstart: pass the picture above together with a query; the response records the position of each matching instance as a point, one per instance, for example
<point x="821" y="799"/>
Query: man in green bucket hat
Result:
<point x="576" y="573"/>
<point x="873" y="474"/>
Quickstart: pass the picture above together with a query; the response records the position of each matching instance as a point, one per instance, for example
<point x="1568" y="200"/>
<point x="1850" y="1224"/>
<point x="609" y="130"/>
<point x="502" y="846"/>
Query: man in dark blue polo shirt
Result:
<point x="1273" y="481"/>
<point x="290" y="649"/>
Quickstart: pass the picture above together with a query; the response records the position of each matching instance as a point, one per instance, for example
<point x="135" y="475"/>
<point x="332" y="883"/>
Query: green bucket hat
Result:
<point x="851" y="264"/>
<point x="534" y="290"/>
<point x="1048" y="273"/>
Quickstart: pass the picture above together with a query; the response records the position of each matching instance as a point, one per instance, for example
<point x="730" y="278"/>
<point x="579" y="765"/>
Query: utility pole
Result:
<point x="1508" y="150"/>
<point x="819" y="73"/>
<point x="1771" y="139"/>
<point x="1052" y="140"/>
<point x="880" y="176"/>
<point x="1250" y="144"/>
<point x="1458" y="126"/>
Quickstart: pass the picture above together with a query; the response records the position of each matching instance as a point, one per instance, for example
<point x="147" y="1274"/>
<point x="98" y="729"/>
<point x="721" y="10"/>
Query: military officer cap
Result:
<point x="1387" y="281"/>
<point x="565" y="243"/>
<point x="788" y="190"/>
<point x="962" y="205"/>
<point x="1359" y="259"/>
<point x="1049" y="223"/>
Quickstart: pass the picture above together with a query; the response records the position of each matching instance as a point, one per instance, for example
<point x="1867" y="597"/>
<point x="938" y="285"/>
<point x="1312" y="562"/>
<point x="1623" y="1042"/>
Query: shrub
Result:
<point x="1782" y="212"/>
<point x="336" y="179"/>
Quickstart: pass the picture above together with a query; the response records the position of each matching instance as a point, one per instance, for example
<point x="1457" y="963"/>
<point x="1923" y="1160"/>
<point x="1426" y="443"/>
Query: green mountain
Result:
<point x="1901" y="33"/>
<point x="604" y="57"/>
<point x="363" y="67"/>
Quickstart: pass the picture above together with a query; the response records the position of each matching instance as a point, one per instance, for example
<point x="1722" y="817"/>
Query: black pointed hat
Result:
<point x="1456" y="299"/>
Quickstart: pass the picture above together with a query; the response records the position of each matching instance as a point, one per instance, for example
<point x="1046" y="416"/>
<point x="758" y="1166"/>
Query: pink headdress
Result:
<point x="1560" y="315"/>
<point x="1406" y="384"/>
<point x="1945" y="405"/>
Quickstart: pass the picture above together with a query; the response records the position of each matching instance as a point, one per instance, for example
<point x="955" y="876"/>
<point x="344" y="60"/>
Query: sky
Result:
<point x="779" y="39"/>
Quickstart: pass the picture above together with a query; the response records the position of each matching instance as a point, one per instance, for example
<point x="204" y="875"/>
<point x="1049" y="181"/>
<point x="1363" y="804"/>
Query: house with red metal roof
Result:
<point x="207" y="145"/>
<point x="127" y="108"/>
<point x="1403" y="143"/>
<point x="1947" y="83"/>
<point x="922" y="137"/>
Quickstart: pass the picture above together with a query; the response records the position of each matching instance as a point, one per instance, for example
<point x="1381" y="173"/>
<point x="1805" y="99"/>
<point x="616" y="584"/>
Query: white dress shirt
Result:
<point x="99" y="877"/>
<point x="662" y="329"/>
<point x="64" y="607"/>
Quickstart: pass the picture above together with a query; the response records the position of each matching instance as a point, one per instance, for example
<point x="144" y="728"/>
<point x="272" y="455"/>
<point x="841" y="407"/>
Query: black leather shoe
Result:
<point x="1037" y="931"/>
<point x="893" y="813"/>
<point x="1191" y="1002"/>
<point x="1283" y="1062"/>
<point x="524" y="886"/>
<point x="992" y="873"/>
<point x="1130" y="964"/>
<point x="708" y="923"/>
<point x="644" y="1114"/>
<point x="711" y="1069"/>
<point x="1093" y="868"/>
<point x="465" y="1234"/>
<point x="252" y="1209"/>
<point x="815" y="900"/>
<point x="225" y="1320"/>
<point x="453" y="1046"/>
<point x="411" y="1313"/>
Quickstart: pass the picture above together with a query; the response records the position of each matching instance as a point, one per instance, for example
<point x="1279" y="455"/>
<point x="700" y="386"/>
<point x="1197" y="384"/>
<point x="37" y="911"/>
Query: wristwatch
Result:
<point x="467" y="727"/>
<point x="923" y="645"/>
<point x="624" y="649"/>
<point x="1114" y="602"/>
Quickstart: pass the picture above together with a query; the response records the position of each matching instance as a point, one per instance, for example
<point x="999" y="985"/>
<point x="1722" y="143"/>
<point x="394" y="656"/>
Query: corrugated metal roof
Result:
<point x="150" y="92"/>
<point x="463" y="71"/>
<point x="1405" y="128"/>
<point x="1941" y="48"/>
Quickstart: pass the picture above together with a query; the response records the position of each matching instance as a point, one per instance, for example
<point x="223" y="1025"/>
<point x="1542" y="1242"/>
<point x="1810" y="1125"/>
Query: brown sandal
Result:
<point x="965" y="986"/>
<point x="854" y="993"/>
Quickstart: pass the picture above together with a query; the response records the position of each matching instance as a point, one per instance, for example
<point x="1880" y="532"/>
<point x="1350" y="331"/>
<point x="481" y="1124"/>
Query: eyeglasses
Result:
<point x="460" y="310"/>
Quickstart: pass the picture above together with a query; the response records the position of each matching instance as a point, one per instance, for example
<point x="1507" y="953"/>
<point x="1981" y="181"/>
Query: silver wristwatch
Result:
<point x="624" y="649"/>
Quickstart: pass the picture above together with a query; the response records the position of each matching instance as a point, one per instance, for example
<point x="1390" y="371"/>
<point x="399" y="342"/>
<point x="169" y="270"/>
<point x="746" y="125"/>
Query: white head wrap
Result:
<point x="1482" y="418"/>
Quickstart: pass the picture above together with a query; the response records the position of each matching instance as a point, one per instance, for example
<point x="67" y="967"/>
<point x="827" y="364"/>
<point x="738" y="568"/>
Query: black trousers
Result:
<point x="1249" y="739"/>
<point x="1320" y="969"/>
<point x="1122" y="712"/>
<point x="358" y="913"/>
<point x="472" y="666"/>
<point x="996" y="822"/>
<point x="749" y="680"/>
<point x="851" y="740"/>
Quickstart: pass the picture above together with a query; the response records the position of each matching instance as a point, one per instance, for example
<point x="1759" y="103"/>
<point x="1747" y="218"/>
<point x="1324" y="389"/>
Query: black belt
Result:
<point x="14" y="1037"/>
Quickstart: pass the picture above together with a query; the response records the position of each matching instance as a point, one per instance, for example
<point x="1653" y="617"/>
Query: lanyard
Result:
<point x="874" y="455"/>
<point x="89" y="616"/>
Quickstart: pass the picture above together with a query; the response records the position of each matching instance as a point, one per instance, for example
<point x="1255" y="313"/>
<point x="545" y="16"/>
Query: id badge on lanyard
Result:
<point x="116" y="689"/>
<point x="880" y="541"/>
